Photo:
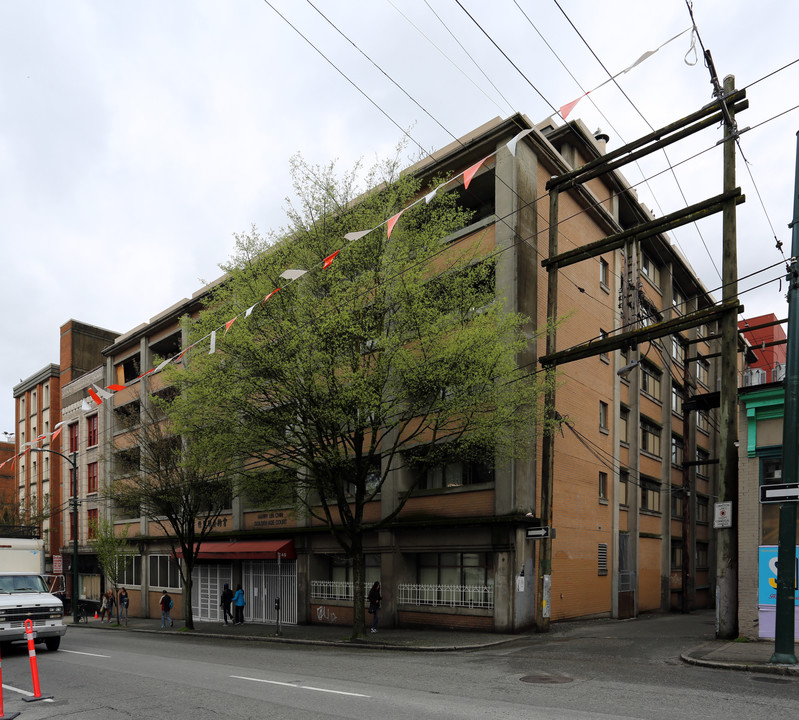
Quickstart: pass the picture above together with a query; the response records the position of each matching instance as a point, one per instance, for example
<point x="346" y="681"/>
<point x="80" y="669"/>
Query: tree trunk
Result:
<point x="188" y="615"/>
<point x="358" y="580"/>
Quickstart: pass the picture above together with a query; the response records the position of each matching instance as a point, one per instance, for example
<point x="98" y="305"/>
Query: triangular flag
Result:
<point x="512" y="144"/>
<point x="249" y="310"/>
<point x="184" y="352"/>
<point x="102" y="393"/>
<point x="329" y="259"/>
<point x="356" y="235"/>
<point x="84" y="406"/>
<point x="293" y="274"/>
<point x="429" y="197"/>
<point x="470" y="173"/>
<point x="55" y="434"/>
<point x="568" y="107"/>
<point x="229" y="323"/>
<point x="271" y="294"/>
<point x="116" y="388"/>
<point x="95" y="396"/>
<point x="643" y="57"/>
<point x="213" y="343"/>
<point x="163" y="364"/>
<point x="392" y="221"/>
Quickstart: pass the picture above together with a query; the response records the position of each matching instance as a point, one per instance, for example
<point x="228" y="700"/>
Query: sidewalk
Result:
<point x="723" y="654"/>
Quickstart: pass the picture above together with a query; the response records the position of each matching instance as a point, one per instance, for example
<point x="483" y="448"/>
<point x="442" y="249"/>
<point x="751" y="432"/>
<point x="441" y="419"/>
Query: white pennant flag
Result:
<point x="213" y="343"/>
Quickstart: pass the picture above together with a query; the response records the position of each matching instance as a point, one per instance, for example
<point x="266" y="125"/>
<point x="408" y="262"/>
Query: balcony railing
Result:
<point x="334" y="590"/>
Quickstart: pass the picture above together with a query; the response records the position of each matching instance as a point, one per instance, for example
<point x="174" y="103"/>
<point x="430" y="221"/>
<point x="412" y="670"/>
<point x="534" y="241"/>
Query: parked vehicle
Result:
<point x="25" y="594"/>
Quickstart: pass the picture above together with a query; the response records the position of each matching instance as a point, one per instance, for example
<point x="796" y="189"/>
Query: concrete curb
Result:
<point x="765" y="668"/>
<point x="359" y="645"/>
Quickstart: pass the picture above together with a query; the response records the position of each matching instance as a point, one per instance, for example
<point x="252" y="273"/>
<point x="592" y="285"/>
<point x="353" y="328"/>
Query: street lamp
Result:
<point x="74" y="503"/>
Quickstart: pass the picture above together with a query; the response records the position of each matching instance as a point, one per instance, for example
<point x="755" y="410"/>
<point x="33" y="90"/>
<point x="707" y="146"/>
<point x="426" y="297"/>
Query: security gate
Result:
<point x="265" y="580"/>
<point x="207" y="580"/>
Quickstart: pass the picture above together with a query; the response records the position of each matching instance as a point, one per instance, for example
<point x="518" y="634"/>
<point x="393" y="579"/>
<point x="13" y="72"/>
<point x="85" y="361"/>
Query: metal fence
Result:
<point x="334" y="590"/>
<point x="469" y="596"/>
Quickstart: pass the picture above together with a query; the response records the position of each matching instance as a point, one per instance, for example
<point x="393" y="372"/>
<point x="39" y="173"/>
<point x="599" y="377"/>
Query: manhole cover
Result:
<point x="777" y="680"/>
<point x="546" y="679"/>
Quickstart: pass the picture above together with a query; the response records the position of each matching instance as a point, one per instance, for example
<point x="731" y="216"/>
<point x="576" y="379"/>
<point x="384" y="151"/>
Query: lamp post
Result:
<point x="74" y="504"/>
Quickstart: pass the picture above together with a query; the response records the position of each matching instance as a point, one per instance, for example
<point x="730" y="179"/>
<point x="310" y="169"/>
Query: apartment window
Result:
<point x="73" y="437"/>
<point x="603" y="335"/>
<point x="702" y="458"/>
<point x="603" y="485"/>
<point x="34" y="406"/>
<point x="676" y="554"/>
<point x="92" y="517"/>
<point x="473" y="569"/>
<point x="164" y="572"/>
<point x="650" y="437"/>
<point x="702" y="372"/>
<point x="92" y="430"/>
<point x="602" y="559"/>
<point x="678" y="299"/>
<point x="46" y="395"/>
<point x="452" y="471"/>
<point x="702" y="509"/>
<point x="677" y="398"/>
<point x="701" y="421"/>
<point x="650" y="269"/>
<point x="676" y="451"/>
<point x="676" y="502"/>
<point x="678" y="350"/>
<point x="624" y="478"/>
<point x="650" y="380"/>
<point x="624" y="423"/>
<point x="650" y="495"/>
<point x="702" y="556"/>
<point x="603" y="416"/>
<point x="91" y="474"/>
<point x="604" y="274"/>
<point x="131" y="574"/>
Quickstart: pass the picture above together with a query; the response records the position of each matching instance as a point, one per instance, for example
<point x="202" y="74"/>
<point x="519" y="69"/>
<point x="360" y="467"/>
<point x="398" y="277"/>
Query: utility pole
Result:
<point x="727" y="538"/>
<point x="784" y="627"/>
<point x="687" y="489"/>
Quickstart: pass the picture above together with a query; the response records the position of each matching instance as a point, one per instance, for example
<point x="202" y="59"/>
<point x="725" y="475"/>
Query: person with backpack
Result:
<point x="239" y="603"/>
<point x="166" y="606"/>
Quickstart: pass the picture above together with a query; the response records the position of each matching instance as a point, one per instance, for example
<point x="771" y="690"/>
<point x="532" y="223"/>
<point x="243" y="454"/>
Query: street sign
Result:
<point x="722" y="515"/>
<point x="539" y="533"/>
<point x="779" y="493"/>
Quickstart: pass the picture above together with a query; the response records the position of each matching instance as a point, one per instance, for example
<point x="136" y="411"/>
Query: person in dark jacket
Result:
<point x="374" y="598"/>
<point x="225" y="600"/>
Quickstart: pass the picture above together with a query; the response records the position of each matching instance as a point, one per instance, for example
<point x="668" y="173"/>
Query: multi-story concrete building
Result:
<point x="629" y="455"/>
<point x="8" y="490"/>
<point x="768" y="342"/>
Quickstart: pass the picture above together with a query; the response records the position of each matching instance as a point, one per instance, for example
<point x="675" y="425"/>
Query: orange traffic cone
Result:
<point x="95" y="614"/>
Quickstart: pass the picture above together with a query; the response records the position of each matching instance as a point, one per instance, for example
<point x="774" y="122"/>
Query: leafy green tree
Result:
<point x="180" y="482"/>
<point x="397" y="351"/>
<point x="112" y="550"/>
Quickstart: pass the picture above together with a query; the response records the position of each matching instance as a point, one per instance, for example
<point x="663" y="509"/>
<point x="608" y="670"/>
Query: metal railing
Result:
<point x="469" y="596"/>
<point x="334" y="590"/>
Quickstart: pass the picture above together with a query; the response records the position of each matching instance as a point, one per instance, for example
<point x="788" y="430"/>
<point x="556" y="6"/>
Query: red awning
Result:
<point x="245" y="550"/>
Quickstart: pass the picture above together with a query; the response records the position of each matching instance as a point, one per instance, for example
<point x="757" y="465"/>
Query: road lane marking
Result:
<point x="77" y="652"/>
<point x="24" y="692"/>
<point x="300" y="687"/>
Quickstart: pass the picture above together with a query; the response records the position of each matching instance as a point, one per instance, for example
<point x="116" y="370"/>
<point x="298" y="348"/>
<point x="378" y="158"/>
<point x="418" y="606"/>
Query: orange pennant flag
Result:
<point x="329" y="259"/>
<point x="274" y="292"/>
<point x="229" y="323"/>
<point x="471" y="172"/>
<point x="55" y="434"/>
<point x="95" y="396"/>
<point x="392" y="221"/>
<point x="116" y="388"/>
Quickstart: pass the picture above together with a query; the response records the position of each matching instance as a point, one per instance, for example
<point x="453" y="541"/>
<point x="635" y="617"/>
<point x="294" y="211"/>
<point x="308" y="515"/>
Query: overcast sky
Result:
<point x="137" y="137"/>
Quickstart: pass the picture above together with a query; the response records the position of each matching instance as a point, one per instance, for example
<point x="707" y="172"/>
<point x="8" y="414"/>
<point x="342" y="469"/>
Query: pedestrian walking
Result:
<point x="124" y="601"/>
<point x="166" y="606"/>
<point x="239" y="603"/>
<point x="374" y="598"/>
<point x="103" y="606"/>
<point x="109" y="603"/>
<point x="225" y="600"/>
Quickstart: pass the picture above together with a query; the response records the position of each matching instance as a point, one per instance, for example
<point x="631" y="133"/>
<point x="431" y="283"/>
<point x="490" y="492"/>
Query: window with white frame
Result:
<point x="650" y="380"/>
<point x="702" y="372"/>
<point x="604" y="273"/>
<point x="603" y="416"/>
<point x="676" y="451"/>
<point x="678" y="299"/>
<point x="678" y="350"/>
<point x="164" y="572"/>
<point x="603" y="485"/>
<point x="131" y="574"/>
<point x="650" y="269"/>
<point x="677" y="398"/>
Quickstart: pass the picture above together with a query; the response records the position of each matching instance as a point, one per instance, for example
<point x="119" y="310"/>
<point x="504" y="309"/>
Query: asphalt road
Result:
<point x="585" y="671"/>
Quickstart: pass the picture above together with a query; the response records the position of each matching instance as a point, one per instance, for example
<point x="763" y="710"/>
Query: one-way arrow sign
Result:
<point x="779" y="493"/>
<point x="539" y="533"/>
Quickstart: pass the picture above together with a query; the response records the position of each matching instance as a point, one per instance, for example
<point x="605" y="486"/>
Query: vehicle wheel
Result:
<point x="52" y="642"/>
